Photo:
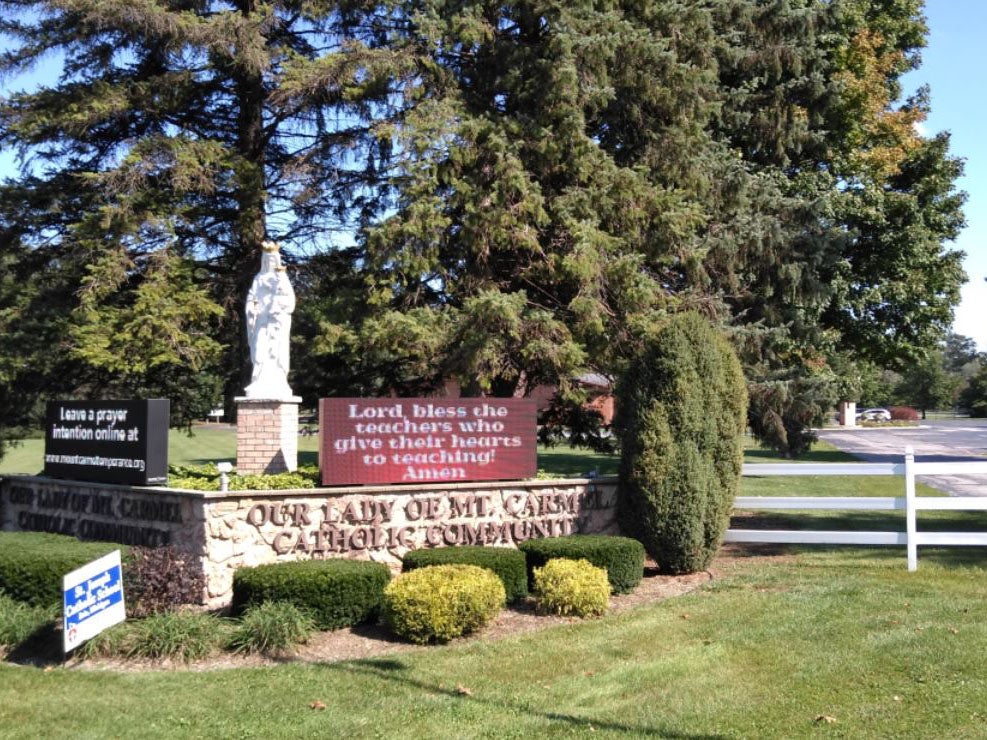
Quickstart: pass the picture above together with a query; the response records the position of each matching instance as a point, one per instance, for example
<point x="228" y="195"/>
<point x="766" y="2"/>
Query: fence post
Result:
<point x="911" y="526"/>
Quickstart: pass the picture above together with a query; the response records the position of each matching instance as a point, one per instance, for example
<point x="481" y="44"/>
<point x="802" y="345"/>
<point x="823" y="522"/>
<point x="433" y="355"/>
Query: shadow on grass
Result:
<point x="953" y="557"/>
<point x="868" y="555"/>
<point x="392" y="670"/>
<point x="42" y="648"/>
<point x="861" y="521"/>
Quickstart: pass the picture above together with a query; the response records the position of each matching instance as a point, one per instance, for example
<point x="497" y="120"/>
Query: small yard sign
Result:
<point x="92" y="598"/>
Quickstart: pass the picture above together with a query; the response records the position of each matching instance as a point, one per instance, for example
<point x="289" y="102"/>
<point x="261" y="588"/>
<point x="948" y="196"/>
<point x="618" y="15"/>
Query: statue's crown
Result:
<point x="270" y="246"/>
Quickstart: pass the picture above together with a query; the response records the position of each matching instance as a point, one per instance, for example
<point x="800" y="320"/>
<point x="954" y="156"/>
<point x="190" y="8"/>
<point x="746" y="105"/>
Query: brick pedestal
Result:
<point x="266" y="435"/>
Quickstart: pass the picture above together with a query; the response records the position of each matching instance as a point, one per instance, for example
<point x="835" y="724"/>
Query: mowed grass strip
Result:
<point x="205" y="445"/>
<point x="771" y="647"/>
<point x="856" y="486"/>
<point x="213" y="443"/>
<point x="209" y="444"/>
<point x="828" y="641"/>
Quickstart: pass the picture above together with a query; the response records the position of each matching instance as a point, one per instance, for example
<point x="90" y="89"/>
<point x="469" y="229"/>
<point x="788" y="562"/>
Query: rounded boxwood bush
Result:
<point x="681" y="413"/>
<point x="509" y="564"/>
<point x="621" y="557"/>
<point x="32" y="564"/>
<point x="336" y="593"/>
<point x="440" y="602"/>
<point x="572" y="588"/>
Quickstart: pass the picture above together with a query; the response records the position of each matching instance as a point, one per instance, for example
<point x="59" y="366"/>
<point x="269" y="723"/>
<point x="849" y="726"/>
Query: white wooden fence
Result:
<point x="911" y="538"/>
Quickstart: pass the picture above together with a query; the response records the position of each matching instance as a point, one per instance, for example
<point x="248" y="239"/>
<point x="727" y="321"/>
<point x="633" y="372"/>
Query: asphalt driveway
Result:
<point x="954" y="440"/>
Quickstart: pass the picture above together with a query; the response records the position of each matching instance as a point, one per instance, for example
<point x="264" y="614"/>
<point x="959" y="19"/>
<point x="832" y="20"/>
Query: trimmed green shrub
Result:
<point x="183" y="635"/>
<point x="272" y="628"/>
<point x="336" y="593"/>
<point x="572" y="588"/>
<point x="508" y="563"/>
<point x="32" y="563"/>
<point x="19" y="620"/>
<point x="440" y="602"/>
<point x="621" y="557"/>
<point x="681" y="413"/>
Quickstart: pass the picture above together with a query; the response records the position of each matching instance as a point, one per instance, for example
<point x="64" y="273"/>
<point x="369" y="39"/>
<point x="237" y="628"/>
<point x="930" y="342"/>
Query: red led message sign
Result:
<point x="422" y="440"/>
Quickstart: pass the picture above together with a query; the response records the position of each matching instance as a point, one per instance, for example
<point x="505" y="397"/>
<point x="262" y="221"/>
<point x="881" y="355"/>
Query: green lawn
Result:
<point x="850" y="485"/>
<point x="215" y="443"/>
<point x="772" y="644"/>
<point x="824" y="641"/>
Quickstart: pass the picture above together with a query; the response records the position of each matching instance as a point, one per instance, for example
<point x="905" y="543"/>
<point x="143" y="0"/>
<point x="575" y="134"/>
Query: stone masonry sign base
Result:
<point x="223" y="531"/>
<point x="266" y="435"/>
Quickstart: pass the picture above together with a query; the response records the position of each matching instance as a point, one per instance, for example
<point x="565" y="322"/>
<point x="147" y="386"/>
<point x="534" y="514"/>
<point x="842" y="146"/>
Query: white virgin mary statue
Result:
<point x="270" y="304"/>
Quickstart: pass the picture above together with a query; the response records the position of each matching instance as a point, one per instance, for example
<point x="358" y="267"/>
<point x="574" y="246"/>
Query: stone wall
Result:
<point x="225" y="531"/>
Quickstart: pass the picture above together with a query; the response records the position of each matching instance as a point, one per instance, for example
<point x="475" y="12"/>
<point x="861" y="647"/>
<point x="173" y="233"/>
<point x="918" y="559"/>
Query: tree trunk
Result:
<point x="251" y="226"/>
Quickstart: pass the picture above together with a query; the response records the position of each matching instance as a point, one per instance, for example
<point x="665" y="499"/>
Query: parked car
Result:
<point x="874" y="415"/>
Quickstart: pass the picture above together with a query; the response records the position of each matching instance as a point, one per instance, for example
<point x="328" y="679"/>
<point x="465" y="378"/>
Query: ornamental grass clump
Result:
<point x="182" y="635"/>
<point x="440" y="602"/>
<point x="272" y="628"/>
<point x="19" y="620"/>
<point x="572" y="588"/>
<point x="116" y="642"/>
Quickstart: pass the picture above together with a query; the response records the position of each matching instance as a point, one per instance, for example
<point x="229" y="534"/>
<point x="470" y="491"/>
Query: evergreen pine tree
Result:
<point x="174" y="138"/>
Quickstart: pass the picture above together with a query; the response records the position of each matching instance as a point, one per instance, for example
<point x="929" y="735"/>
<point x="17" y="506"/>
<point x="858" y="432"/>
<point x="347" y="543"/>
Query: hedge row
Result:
<point x="335" y="593"/>
<point x="206" y="478"/>
<point x="32" y="564"/>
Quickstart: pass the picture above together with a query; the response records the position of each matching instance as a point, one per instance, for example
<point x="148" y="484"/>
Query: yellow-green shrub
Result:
<point x="441" y="602"/>
<point x="572" y="588"/>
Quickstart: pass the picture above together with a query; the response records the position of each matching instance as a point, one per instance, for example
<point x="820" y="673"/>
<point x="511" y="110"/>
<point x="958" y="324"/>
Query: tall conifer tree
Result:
<point x="522" y="190"/>
<point x="166" y="140"/>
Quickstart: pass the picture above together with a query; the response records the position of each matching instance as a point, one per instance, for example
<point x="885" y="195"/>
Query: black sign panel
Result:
<point x="108" y="441"/>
